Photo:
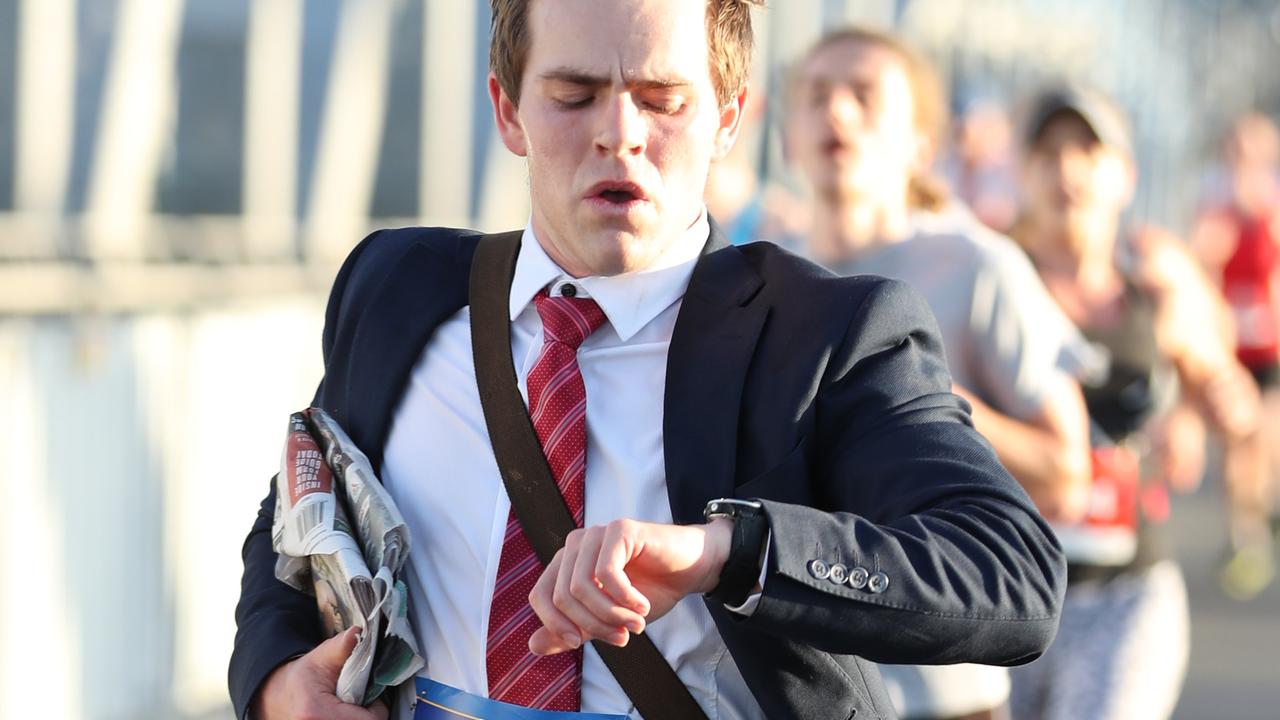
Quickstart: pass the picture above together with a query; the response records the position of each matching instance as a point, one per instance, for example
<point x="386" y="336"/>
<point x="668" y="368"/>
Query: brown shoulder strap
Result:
<point x="639" y="668"/>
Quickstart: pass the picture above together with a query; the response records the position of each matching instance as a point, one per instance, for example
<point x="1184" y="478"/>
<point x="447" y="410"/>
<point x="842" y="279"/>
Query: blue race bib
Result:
<point x="441" y="702"/>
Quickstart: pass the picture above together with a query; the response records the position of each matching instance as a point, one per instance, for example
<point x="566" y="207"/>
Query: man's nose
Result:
<point x="842" y="107"/>
<point x="1072" y="165"/>
<point x="623" y="129"/>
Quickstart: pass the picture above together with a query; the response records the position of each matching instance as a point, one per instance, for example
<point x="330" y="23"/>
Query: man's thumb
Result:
<point x="332" y="653"/>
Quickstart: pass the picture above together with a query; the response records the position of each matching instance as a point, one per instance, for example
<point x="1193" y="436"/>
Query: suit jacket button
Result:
<point x="839" y="574"/>
<point x="858" y="577"/>
<point x="819" y="569"/>
<point x="878" y="583"/>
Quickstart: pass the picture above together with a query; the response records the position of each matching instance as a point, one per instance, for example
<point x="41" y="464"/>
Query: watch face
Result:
<point x="730" y="507"/>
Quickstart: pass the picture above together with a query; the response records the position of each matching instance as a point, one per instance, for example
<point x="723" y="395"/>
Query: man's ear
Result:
<point x="506" y="116"/>
<point x="730" y="124"/>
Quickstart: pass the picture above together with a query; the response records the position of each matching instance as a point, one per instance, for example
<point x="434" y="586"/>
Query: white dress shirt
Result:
<point x="439" y="468"/>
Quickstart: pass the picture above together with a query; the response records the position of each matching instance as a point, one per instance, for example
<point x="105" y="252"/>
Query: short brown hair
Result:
<point x="929" y="98"/>
<point x="729" y="44"/>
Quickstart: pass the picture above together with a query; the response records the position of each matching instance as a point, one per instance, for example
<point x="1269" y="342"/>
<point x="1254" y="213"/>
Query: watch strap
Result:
<point x="741" y="569"/>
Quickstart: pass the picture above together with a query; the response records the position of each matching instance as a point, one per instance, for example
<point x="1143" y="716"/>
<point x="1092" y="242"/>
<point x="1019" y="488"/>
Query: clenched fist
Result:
<point x="609" y="581"/>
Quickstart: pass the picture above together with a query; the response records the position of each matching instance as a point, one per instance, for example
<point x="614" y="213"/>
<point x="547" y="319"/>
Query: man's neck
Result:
<point x="842" y="231"/>
<point x="1082" y="252"/>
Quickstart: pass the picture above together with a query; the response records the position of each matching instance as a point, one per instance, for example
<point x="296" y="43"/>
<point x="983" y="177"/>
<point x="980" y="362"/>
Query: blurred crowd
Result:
<point x="1109" y="363"/>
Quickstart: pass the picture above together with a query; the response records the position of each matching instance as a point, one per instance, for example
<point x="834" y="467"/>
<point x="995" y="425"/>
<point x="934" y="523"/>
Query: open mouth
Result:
<point x="617" y="193"/>
<point x="835" y="146"/>
<point x="618" y="196"/>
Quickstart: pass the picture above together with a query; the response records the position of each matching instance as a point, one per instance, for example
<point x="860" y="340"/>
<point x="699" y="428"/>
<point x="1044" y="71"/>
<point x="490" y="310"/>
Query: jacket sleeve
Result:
<point x="274" y="622"/>
<point x="962" y="567"/>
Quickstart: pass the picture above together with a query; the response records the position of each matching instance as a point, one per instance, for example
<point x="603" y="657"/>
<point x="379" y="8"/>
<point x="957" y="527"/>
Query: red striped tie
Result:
<point x="558" y="407"/>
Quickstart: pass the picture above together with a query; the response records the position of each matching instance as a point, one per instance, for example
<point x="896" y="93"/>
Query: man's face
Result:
<point x="619" y="122"/>
<point x="1071" y="177"/>
<point x="851" y="129"/>
<point x="1252" y="153"/>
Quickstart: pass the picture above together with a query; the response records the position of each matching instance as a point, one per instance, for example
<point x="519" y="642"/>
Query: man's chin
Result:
<point x="846" y="194"/>
<point x="616" y="253"/>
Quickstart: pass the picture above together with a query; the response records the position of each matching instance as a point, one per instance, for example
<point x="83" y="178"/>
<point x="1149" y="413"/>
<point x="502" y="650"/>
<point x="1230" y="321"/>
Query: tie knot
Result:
<point x="568" y="320"/>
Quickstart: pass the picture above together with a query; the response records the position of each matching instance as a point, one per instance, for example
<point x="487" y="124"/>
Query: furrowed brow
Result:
<point x="580" y="78"/>
<point x="575" y="77"/>
<point x="660" y="84"/>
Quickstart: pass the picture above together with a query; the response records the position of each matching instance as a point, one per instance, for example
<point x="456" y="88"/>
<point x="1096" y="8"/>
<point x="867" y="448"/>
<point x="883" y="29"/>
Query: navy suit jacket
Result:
<point x="828" y="398"/>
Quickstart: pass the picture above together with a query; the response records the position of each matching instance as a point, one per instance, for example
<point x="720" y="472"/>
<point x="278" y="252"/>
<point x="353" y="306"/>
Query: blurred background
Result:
<point x="180" y="178"/>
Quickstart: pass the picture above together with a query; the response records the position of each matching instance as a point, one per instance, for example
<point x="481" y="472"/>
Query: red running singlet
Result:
<point x="1249" y="285"/>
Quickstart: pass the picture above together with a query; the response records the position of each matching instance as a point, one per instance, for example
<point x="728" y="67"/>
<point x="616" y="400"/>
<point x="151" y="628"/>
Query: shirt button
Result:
<point x="839" y="574"/>
<point x="858" y="578"/>
<point x="878" y="583"/>
<point x="819" y="569"/>
<point x="568" y="290"/>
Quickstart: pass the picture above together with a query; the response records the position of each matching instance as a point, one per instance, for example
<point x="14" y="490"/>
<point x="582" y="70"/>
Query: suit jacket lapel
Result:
<point x="711" y="349"/>
<point x="424" y="289"/>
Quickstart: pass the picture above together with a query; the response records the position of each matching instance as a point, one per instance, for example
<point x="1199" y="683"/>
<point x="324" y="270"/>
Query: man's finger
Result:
<point x="545" y="642"/>
<point x="344" y="711"/>
<point x="332" y="653"/>
<point x="589" y="626"/>
<point x="554" y="622"/>
<point x="586" y="590"/>
<point x="610" y="571"/>
<point x="381" y="710"/>
<point x="328" y="706"/>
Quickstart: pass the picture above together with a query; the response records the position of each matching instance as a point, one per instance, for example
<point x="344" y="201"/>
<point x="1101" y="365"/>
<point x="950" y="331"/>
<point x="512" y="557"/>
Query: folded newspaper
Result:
<point x="353" y="568"/>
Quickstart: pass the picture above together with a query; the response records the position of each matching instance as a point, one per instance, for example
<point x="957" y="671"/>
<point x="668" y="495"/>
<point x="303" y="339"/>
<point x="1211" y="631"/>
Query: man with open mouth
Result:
<point x="769" y="481"/>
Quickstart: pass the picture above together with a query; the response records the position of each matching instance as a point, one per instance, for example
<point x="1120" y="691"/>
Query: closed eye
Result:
<point x="662" y="98"/>
<point x="665" y="108"/>
<point x="572" y="92"/>
<point x="818" y="94"/>
<point x="573" y="103"/>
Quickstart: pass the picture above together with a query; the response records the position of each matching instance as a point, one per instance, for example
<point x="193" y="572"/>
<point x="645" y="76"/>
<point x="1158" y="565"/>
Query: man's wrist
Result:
<point x="257" y="709"/>
<point x="719" y="538"/>
<point x="740" y="570"/>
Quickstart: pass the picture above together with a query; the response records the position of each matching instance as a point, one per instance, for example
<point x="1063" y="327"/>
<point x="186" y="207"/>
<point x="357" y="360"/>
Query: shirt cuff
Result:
<point x="748" y="608"/>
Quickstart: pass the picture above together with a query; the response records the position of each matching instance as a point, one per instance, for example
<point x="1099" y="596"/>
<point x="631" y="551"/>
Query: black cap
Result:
<point x="1107" y="121"/>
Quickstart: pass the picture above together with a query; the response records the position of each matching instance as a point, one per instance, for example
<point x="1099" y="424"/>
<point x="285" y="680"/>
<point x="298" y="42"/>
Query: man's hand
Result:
<point x="611" y="580"/>
<point x="304" y="689"/>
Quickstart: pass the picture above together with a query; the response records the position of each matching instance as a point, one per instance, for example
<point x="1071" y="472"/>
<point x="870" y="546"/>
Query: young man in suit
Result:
<point x="662" y="369"/>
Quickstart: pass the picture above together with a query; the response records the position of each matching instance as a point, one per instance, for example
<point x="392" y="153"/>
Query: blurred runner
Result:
<point x="980" y="168"/>
<point x="1237" y="237"/>
<point x="1121" y="650"/>
<point x="864" y="118"/>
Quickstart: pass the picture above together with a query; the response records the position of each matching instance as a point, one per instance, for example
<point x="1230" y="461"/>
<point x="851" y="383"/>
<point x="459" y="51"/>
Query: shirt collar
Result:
<point x="630" y="301"/>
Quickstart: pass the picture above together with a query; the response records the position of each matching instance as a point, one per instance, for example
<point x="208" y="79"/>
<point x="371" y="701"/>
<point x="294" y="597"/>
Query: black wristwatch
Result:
<point x="741" y="569"/>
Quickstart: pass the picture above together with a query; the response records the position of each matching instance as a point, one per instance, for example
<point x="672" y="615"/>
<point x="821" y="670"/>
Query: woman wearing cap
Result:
<point x="864" y="116"/>
<point x="1121" y="649"/>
